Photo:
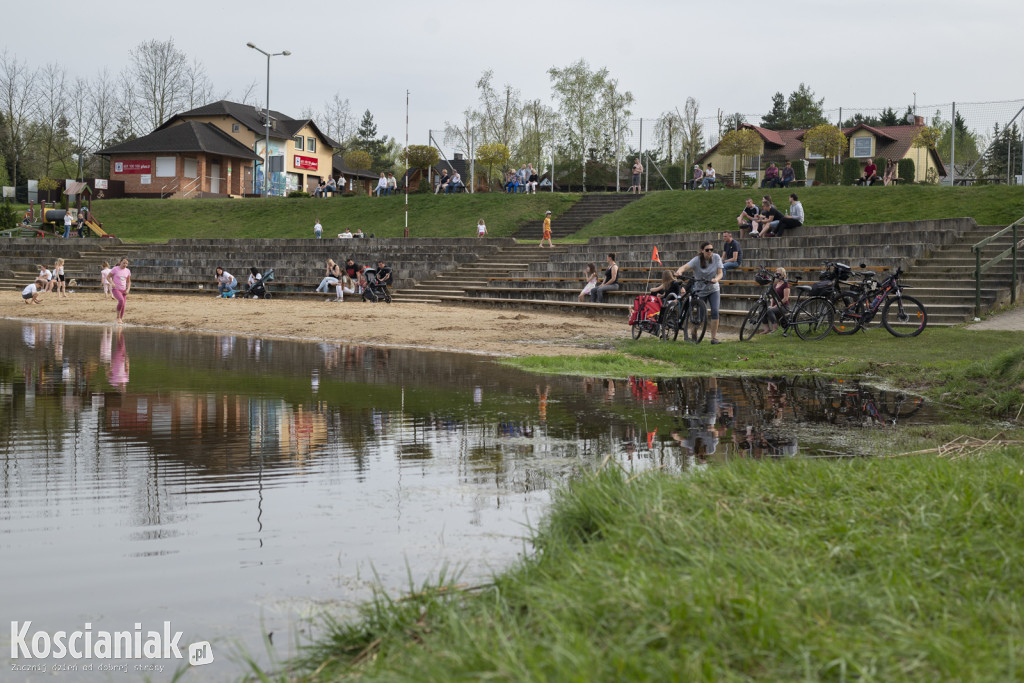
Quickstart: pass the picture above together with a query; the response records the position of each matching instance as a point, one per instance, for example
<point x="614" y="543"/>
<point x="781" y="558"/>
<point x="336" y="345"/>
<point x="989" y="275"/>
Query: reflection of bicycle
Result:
<point x="811" y="319"/>
<point x="688" y="313"/>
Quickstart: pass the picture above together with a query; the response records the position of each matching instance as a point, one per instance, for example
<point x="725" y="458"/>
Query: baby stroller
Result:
<point x="374" y="290"/>
<point x="259" y="289"/>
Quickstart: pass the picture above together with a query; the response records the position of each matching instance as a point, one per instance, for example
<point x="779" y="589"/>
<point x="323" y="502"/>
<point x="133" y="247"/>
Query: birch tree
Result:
<point x="18" y="103"/>
<point x="578" y="91"/>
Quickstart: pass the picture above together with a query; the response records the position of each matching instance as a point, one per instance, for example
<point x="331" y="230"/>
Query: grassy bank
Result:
<point x="149" y="220"/>
<point x="456" y="216"/>
<point x="979" y="371"/>
<point x="886" y="569"/>
<point x="668" y="212"/>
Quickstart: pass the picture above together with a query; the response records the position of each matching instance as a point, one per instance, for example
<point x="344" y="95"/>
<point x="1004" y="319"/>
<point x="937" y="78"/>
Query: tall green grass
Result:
<point x="904" y="569"/>
<point x="457" y="216"/>
<point x="670" y="212"/>
<point x="150" y="220"/>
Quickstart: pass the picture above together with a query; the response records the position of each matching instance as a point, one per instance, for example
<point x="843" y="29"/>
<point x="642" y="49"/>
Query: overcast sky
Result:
<point x="732" y="55"/>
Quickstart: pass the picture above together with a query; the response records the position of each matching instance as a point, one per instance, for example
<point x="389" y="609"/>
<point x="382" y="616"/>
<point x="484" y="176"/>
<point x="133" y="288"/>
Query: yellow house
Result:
<point x="866" y="143"/>
<point x="300" y="153"/>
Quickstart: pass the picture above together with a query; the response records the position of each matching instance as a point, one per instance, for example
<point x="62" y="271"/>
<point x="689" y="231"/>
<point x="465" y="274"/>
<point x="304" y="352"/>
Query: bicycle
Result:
<point x="812" y="319"/>
<point x="902" y="315"/>
<point x="688" y="313"/>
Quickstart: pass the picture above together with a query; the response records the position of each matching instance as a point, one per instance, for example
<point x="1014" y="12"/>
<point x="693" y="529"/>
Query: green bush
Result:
<point x="851" y="171"/>
<point x="825" y="172"/>
<point x="905" y="170"/>
<point x="425" y="185"/>
<point x="799" y="170"/>
<point x="8" y="216"/>
<point x="674" y="176"/>
<point x="298" y="193"/>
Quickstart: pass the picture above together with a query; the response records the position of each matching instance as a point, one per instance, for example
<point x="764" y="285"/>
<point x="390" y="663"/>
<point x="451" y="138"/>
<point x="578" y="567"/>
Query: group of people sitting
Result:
<point x="387" y="185"/>
<point x="329" y="186"/>
<point x="524" y="180"/>
<point x="870" y="176"/>
<point x="351" y="279"/>
<point x="773" y="177"/>
<point x="449" y="183"/>
<point x="768" y="221"/>
<point x="47" y="281"/>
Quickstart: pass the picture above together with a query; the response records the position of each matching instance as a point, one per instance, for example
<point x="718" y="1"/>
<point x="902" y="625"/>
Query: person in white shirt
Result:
<point x="709" y="177"/>
<point x="31" y="293"/>
<point x="318" y="230"/>
<point x="382" y="185"/>
<point x="46" y="276"/>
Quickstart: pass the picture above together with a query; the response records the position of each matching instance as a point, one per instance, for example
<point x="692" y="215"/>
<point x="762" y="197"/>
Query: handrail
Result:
<point x="979" y="268"/>
<point x="173" y="182"/>
<point x="189" y="187"/>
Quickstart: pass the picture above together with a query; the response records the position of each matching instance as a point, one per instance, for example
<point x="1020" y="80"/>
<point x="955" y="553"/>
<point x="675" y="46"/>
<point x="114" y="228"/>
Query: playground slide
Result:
<point x="96" y="229"/>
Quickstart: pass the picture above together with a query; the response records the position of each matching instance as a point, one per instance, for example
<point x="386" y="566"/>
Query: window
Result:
<point x="191" y="168"/>
<point x="234" y="127"/>
<point x="298" y="143"/>
<point x="311" y="145"/>
<point x="165" y="167"/>
<point x="862" y="147"/>
<point x="812" y="155"/>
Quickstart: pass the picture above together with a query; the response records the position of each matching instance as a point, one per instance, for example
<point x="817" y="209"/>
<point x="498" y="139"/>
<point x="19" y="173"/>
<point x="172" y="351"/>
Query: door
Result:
<point x="215" y="178"/>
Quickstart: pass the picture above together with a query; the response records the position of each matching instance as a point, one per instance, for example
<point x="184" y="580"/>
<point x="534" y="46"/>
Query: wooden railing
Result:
<point x="980" y="268"/>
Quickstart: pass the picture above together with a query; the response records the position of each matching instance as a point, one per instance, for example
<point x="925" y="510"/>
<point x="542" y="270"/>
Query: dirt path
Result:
<point x="1012" y="320"/>
<point x="496" y="332"/>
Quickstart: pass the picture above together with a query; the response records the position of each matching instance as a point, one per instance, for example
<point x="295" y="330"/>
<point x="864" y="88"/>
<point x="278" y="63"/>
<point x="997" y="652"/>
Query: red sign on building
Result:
<point x="305" y="163"/>
<point x="140" y="166"/>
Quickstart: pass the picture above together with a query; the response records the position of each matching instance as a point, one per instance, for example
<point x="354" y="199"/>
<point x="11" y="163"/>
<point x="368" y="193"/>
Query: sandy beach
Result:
<point x="498" y="332"/>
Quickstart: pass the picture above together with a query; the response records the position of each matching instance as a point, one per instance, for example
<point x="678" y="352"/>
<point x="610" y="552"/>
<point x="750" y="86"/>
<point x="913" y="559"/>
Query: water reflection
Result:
<point x="266" y="476"/>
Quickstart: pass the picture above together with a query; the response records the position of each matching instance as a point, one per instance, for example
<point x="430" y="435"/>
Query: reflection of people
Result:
<point x="542" y="402"/>
<point x="117" y="373"/>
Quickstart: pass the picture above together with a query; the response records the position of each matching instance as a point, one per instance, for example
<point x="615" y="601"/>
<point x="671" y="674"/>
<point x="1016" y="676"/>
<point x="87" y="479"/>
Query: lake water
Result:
<point x="236" y="486"/>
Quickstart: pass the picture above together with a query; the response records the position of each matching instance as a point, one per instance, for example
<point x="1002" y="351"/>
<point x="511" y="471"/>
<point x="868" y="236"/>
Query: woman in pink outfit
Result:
<point x="120" y="279"/>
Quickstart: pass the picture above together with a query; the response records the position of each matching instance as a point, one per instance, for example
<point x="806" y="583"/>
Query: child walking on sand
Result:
<point x="120" y="279"/>
<point x="547" y="230"/>
<point x="104" y="272"/>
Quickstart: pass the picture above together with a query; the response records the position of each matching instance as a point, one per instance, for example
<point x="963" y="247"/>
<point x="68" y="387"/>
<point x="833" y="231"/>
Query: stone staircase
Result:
<point x="588" y="209"/>
<point x="455" y="283"/>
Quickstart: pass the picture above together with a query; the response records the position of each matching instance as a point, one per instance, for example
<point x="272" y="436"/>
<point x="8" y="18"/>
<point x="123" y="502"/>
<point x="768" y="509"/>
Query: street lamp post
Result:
<point x="266" y="119"/>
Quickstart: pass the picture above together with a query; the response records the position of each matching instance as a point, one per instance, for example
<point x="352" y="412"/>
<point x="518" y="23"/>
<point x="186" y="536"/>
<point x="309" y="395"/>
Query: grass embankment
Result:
<point x="979" y="371"/>
<point x="148" y="220"/>
<point x="668" y="212"/>
<point x="884" y="569"/>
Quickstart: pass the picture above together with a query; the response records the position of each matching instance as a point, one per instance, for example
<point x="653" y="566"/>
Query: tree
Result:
<point x="693" y="130"/>
<point x="337" y="118"/>
<point x="826" y="140"/>
<point x="103" y="102"/>
<point x="668" y="131"/>
<point x="498" y="119"/>
<point x="739" y="143"/>
<point x="803" y="110"/>
<point x="858" y="119"/>
<point x="18" y="104"/>
<point x="164" y="82"/>
<point x="538" y="125"/>
<point x="493" y="154"/>
<point x="1002" y="158"/>
<point x="615" y="112"/>
<point x="889" y="117"/>
<point x="422" y="156"/>
<point x="462" y="136"/>
<point x="778" y="117"/>
<point x="927" y="138"/>
<point x="81" y="124"/>
<point x="966" y="141"/>
<point x="733" y="122"/>
<point x="358" y="160"/>
<point x="366" y="139"/>
<point x="577" y="90"/>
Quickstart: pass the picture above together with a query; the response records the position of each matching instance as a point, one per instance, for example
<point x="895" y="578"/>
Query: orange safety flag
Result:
<point x="650" y="438"/>
<point x="654" y="256"/>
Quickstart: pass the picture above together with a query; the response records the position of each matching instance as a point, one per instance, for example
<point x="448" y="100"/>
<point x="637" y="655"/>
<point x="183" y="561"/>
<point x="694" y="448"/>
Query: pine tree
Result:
<point x="366" y="140"/>
<point x="804" y="110"/>
<point x="778" y="117"/>
<point x="889" y="117"/>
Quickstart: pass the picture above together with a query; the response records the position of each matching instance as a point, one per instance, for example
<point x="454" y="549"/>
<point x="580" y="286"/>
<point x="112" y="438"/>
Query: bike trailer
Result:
<point x="645" y="307"/>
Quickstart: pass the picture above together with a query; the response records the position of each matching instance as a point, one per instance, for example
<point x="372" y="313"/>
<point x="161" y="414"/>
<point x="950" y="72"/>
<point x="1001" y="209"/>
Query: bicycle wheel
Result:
<point x="695" y="321"/>
<point x="907" y="319"/>
<point x="670" y="323"/>
<point x="849" y="313"/>
<point x="755" y="319"/>
<point x="637" y="330"/>
<point x="813" y="319"/>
